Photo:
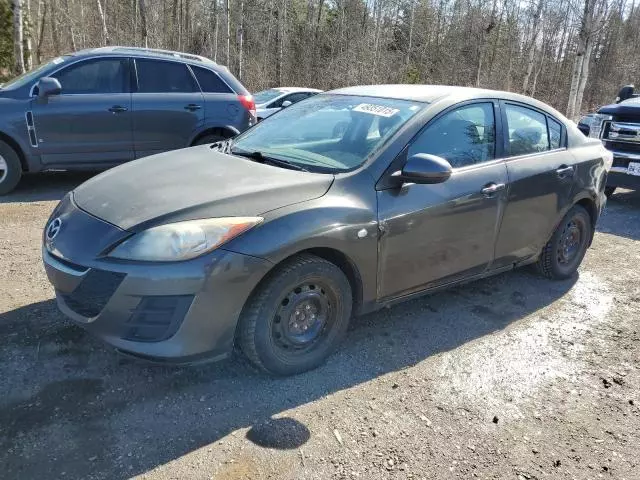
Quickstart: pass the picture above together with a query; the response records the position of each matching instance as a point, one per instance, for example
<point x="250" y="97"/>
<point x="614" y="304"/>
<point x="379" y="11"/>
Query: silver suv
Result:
<point x="97" y="108"/>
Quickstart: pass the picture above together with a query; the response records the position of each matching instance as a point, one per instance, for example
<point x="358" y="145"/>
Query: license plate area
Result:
<point x="634" y="168"/>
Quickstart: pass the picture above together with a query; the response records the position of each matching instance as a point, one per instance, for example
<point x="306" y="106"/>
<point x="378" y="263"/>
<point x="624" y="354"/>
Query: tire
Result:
<point x="268" y="331"/>
<point x="563" y="254"/>
<point x="10" y="168"/>
<point x="207" y="139"/>
<point x="608" y="191"/>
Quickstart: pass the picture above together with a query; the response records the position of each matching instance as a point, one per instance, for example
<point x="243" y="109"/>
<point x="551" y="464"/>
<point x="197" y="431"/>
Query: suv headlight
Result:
<point x="595" y="121"/>
<point x="182" y="240"/>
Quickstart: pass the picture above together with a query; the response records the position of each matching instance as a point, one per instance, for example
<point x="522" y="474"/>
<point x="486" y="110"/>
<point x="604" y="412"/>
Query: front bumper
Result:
<point x="174" y="311"/>
<point x="618" y="176"/>
<point x="178" y="312"/>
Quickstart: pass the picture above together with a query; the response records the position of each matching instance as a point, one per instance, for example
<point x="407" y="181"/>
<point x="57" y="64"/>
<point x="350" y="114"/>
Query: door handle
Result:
<point x="490" y="189"/>
<point x="564" y="171"/>
<point x="118" y="109"/>
<point x="192" y="107"/>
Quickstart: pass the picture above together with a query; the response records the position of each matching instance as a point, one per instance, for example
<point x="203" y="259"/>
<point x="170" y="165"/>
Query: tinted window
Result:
<point x="108" y="75"/>
<point x="555" y="133"/>
<point x="266" y="95"/>
<point x="164" y="77"/>
<point x="464" y="136"/>
<point x="209" y="81"/>
<point x="527" y="130"/>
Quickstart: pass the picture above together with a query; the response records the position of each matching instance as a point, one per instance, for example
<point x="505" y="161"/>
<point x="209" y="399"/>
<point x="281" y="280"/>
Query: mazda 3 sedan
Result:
<point x="273" y="240"/>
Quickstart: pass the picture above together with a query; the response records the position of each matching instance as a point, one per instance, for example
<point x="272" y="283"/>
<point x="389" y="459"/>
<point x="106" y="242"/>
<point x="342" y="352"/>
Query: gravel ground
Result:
<point x="512" y="377"/>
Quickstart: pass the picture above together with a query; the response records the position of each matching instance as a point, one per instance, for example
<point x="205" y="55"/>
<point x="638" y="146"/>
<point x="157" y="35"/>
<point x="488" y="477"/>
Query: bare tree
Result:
<point x="103" y="21"/>
<point x="18" y="46"/>
<point x="143" y="23"/>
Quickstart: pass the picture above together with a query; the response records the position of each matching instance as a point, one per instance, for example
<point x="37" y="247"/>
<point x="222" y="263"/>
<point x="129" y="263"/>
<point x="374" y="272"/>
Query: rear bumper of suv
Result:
<point x="170" y="312"/>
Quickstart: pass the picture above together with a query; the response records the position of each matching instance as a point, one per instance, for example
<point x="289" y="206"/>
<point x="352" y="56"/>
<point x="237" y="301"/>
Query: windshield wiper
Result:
<point x="223" y="146"/>
<point x="261" y="158"/>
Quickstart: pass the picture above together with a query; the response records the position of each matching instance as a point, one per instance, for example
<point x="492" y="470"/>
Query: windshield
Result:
<point x="328" y="132"/>
<point x="27" y="77"/>
<point x="266" y="95"/>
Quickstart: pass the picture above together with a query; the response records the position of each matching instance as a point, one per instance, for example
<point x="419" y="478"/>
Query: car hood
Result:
<point x="193" y="183"/>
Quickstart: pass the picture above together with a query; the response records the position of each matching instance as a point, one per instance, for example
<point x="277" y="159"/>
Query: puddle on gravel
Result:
<point x="499" y="372"/>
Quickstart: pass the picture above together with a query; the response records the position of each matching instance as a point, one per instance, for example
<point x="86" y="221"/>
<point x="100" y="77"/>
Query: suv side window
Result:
<point x="209" y="81"/>
<point x="104" y="75"/>
<point x="156" y="76"/>
<point x="527" y="130"/>
<point x="464" y="136"/>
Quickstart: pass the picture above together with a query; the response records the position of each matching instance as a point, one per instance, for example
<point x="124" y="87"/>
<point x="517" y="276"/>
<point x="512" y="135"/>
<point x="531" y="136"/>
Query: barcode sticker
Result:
<point x="379" y="110"/>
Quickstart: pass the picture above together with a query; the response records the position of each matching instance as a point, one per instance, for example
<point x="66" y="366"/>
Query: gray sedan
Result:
<point x="273" y="240"/>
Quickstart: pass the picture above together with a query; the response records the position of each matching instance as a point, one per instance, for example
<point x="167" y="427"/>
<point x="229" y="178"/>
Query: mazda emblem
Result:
<point x="54" y="228"/>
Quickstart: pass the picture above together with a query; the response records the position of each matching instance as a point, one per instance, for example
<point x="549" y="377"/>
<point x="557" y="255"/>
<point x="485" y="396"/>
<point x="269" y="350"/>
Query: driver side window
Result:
<point x="464" y="136"/>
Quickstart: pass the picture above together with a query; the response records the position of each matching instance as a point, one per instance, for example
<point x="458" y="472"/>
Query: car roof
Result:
<point x="146" y="53"/>
<point x="433" y="93"/>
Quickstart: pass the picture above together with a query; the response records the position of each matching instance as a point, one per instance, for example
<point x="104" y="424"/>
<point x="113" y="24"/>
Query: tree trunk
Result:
<point x="228" y="20"/>
<point x="54" y="27"/>
<point x="584" y="75"/>
<point x="532" y="47"/>
<point x="411" y="20"/>
<point x="143" y="23"/>
<point x="103" y="22"/>
<point x="18" y="45"/>
<point x="41" y="31"/>
<point x="240" y="40"/>
<point x="69" y="22"/>
<point x="28" y="48"/>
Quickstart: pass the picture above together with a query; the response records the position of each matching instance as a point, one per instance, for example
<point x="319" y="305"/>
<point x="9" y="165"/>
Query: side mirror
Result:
<point x="625" y="93"/>
<point x="286" y="103"/>
<point x="48" y="86"/>
<point x="424" y="168"/>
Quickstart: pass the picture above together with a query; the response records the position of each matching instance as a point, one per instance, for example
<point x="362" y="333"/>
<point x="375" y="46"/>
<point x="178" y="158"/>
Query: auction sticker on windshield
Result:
<point x="379" y="110"/>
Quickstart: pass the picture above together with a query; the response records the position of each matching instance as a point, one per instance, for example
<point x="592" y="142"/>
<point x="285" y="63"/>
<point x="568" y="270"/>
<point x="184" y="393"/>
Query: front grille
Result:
<point x="93" y="293"/>
<point x="622" y="146"/>
<point x="157" y="318"/>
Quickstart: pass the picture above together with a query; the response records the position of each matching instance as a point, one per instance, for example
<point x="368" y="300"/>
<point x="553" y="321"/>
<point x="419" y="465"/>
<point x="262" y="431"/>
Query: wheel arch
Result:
<point x="590" y="206"/>
<point x="225" y="131"/>
<point x="17" y="148"/>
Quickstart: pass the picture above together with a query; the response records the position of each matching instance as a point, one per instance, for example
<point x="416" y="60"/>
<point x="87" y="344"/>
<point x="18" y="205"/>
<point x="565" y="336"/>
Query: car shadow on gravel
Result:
<point x="622" y="215"/>
<point x="47" y="186"/>
<point x="76" y="409"/>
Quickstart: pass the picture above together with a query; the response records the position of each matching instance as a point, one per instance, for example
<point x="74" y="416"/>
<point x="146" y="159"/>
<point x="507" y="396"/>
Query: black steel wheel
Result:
<point x="563" y="254"/>
<point x="296" y="317"/>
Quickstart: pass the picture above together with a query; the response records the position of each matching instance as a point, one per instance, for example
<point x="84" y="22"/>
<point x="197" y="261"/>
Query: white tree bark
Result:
<point x="532" y="47"/>
<point x="28" y="35"/>
<point x="228" y="19"/>
<point x="18" y="46"/>
<point x="143" y="23"/>
<point x="103" y="21"/>
<point x="240" y="40"/>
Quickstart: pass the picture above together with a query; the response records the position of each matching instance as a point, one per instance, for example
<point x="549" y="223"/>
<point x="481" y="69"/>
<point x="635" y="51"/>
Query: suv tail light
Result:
<point x="248" y="103"/>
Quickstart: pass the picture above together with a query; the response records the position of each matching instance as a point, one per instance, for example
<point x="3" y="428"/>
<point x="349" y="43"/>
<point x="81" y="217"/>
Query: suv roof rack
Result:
<point x="165" y="53"/>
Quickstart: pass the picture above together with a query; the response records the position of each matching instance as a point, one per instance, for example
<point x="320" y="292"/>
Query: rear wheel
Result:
<point x="563" y="254"/>
<point x="608" y="191"/>
<point x="297" y="317"/>
<point x="10" y="168"/>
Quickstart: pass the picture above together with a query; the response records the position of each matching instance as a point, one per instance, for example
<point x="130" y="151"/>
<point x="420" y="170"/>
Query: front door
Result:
<point x="89" y="122"/>
<point x="436" y="234"/>
<point x="168" y="106"/>
<point x="541" y="177"/>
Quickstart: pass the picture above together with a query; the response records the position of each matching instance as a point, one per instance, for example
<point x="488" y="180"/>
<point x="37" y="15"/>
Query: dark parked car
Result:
<point x="618" y="126"/>
<point x="273" y="242"/>
<point x="101" y="107"/>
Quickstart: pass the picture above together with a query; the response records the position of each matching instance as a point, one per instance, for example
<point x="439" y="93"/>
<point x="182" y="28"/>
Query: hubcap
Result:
<point x="4" y="168"/>
<point x="570" y="243"/>
<point x="301" y="317"/>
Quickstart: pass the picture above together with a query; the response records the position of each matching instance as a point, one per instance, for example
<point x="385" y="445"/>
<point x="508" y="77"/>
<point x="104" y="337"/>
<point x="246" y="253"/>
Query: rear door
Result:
<point x="541" y="177"/>
<point x="89" y="122"/>
<point x="437" y="234"/>
<point x="168" y="106"/>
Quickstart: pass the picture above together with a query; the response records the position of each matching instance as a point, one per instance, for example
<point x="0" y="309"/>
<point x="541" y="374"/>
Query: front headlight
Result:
<point x="595" y="121"/>
<point x="182" y="240"/>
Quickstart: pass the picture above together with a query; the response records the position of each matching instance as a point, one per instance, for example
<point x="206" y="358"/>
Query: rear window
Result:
<point x="209" y="81"/>
<point x="164" y="77"/>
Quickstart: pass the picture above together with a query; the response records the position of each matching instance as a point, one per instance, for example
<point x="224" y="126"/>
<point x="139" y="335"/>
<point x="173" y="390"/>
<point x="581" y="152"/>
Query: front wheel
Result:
<point x="296" y="317"/>
<point x="563" y="254"/>
<point x="10" y="168"/>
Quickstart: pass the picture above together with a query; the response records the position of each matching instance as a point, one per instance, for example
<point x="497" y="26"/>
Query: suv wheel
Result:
<point x="297" y="317"/>
<point x="562" y="255"/>
<point x="10" y="168"/>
